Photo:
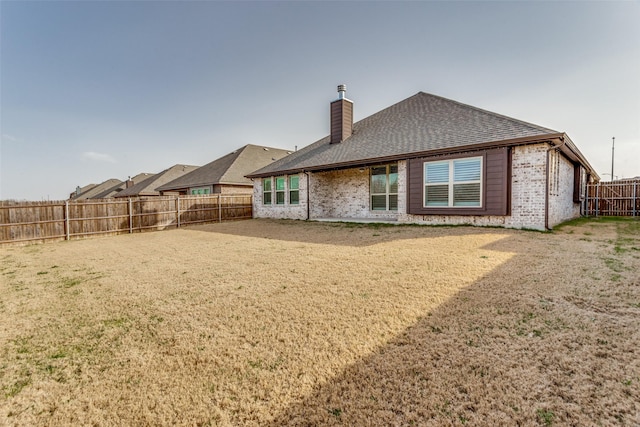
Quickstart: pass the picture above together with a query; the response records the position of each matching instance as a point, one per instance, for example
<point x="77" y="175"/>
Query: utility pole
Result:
<point x="613" y="143"/>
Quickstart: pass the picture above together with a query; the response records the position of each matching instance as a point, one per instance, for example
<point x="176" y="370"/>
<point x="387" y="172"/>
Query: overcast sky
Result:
<point x="99" y="90"/>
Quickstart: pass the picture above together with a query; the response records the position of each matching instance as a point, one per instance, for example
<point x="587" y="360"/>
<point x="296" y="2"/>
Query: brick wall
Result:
<point x="345" y="194"/>
<point x="286" y="211"/>
<point x="528" y="186"/>
<point x="233" y="189"/>
<point x="561" y="204"/>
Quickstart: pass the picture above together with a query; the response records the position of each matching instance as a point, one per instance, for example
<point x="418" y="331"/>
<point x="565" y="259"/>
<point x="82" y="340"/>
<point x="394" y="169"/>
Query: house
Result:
<point x="428" y="160"/>
<point x="122" y="185"/>
<point x="93" y="189"/>
<point x="147" y="187"/>
<point x="226" y="174"/>
<point x="79" y="190"/>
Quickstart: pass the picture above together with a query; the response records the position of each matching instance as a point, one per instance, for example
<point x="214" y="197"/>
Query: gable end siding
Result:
<point x="496" y="185"/>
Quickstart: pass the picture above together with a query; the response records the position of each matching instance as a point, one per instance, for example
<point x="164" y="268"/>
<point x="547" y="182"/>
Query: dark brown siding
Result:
<point x="341" y="120"/>
<point x="496" y="180"/>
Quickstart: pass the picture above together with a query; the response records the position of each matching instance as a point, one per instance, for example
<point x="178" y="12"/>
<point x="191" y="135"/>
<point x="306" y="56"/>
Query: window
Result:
<point x="579" y="183"/>
<point x="200" y="190"/>
<point x="453" y="183"/>
<point x="554" y="173"/>
<point x="280" y="190"/>
<point x="266" y="191"/>
<point x="294" y="190"/>
<point x="384" y="188"/>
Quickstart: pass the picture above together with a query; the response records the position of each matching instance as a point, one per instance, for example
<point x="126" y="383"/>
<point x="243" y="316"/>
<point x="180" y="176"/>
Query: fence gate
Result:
<point x="616" y="198"/>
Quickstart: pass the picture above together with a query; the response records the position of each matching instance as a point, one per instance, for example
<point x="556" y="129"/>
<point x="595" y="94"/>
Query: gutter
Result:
<point x="416" y="154"/>
<point x="547" y="186"/>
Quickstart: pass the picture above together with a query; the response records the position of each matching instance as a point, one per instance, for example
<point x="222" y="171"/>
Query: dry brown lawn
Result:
<point x="276" y="323"/>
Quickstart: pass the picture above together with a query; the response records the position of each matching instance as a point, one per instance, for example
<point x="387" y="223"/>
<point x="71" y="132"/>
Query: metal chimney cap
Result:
<point x="342" y="89"/>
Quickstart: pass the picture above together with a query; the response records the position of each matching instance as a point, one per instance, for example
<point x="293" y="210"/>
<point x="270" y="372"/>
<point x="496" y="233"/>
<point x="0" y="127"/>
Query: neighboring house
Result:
<point x="147" y="187"/>
<point x="121" y="186"/>
<point x="93" y="189"/>
<point x="428" y="160"/>
<point x="226" y="174"/>
<point x="79" y="190"/>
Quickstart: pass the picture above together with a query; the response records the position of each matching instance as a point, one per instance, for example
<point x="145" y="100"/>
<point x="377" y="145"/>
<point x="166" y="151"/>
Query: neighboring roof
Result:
<point x="230" y="169"/>
<point x="79" y="190"/>
<point x="112" y="191"/>
<point x="97" y="189"/>
<point x="148" y="186"/>
<point x="422" y="124"/>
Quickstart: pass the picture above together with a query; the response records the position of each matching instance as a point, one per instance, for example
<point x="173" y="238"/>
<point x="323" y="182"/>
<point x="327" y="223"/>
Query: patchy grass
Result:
<point x="275" y="323"/>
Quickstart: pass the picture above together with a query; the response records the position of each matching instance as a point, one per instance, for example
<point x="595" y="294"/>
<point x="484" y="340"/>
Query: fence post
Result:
<point x="130" y="216"/>
<point x="597" y="198"/>
<point x="66" y="218"/>
<point x="634" y="198"/>
<point x="178" y="211"/>
<point x="219" y="207"/>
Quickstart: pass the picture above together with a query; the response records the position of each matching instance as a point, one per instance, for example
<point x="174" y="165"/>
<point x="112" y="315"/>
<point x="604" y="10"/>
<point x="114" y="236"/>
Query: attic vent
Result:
<point x="265" y="149"/>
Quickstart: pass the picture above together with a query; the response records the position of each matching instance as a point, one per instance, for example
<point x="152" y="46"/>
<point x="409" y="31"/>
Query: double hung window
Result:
<point x="266" y="191"/>
<point x="384" y="188"/>
<point x="453" y="183"/>
<point x="274" y="190"/>
<point x="294" y="189"/>
<point x="280" y="190"/>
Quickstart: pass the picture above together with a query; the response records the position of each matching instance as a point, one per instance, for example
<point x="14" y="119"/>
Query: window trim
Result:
<point x="291" y="190"/>
<point x="206" y="191"/>
<point x="285" y="191"/>
<point x="270" y="191"/>
<point x="450" y="183"/>
<point x="387" y="192"/>
<point x="282" y="192"/>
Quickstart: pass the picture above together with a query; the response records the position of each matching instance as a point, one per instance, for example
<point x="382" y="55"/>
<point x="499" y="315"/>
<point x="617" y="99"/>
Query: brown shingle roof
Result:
<point x="97" y="189"/>
<point x="148" y="186"/>
<point x="112" y="191"/>
<point x="229" y="169"/>
<point x="418" y="125"/>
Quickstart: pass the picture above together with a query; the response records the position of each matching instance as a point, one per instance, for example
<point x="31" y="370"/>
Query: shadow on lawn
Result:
<point x="516" y="348"/>
<point x="340" y="233"/>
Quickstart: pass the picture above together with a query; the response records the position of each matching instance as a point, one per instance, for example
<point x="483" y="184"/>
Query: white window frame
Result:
<point x="270" y="191"/>
<point x="195" y="191"/>
<point x="387" y="192"/>
<point x="291" y="190"/>
<point x="450" y="183"/>
<point x="282" y="192"/>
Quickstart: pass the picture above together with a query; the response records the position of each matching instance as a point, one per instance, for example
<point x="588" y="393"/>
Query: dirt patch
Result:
<point x="291" y="323"/>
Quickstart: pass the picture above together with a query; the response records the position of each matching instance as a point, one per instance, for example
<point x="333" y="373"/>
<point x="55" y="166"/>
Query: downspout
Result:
<point x="546" y="195"/>
<point x="308" y="207"/>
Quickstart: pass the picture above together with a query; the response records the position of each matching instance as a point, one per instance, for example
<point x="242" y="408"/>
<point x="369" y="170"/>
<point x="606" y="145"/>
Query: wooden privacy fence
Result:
<point x="617" y="198"/>
<point x="66" y="220"/>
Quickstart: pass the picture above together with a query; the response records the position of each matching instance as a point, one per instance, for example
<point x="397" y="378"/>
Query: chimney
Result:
<point x="128" y="183"/>
<point x="341" y="117"/>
